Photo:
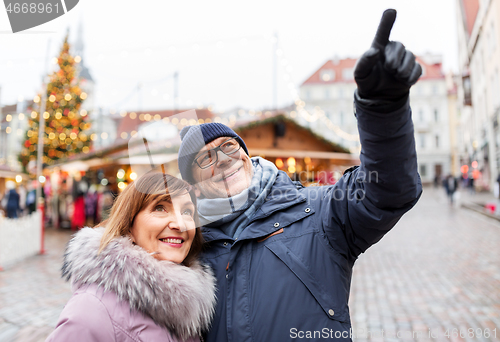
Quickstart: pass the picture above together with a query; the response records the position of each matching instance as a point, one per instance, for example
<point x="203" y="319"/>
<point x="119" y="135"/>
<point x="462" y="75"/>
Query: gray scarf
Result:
<point x="232" y="215"/>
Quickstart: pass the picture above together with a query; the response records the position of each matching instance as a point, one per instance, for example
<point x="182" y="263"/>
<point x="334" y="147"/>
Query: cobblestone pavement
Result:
<point x="437" y="271"/>
<point x="32" y="293"/>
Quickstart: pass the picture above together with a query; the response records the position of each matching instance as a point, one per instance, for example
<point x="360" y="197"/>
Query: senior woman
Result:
<point x="138" y="278"/>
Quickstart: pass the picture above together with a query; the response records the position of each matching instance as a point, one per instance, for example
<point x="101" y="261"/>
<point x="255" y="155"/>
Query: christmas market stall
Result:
<point x="297" y="150"/>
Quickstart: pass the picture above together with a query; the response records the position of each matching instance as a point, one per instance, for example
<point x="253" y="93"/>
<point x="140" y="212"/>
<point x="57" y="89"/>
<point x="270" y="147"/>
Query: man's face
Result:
<point x="228" y="176"/>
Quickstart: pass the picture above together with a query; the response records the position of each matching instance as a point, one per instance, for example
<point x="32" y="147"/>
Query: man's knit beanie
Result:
<point x="193" y="138"/>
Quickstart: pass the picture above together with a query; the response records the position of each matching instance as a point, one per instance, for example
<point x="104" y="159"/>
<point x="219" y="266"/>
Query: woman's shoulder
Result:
<point x="107" y="301"/>
<point x="133" y="279"/>
<point x="76" y="324"/>
<point x="111" y="319"/>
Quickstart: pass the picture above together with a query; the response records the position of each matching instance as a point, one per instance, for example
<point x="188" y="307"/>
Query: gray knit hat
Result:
<point x="195" y="137"/>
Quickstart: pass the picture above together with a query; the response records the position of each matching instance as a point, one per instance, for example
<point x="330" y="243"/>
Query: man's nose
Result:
<point x="222" y="159"/>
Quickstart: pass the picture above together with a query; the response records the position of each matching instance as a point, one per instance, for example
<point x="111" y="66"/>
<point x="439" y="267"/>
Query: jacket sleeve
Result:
<point x="369" y="200"/>
<point x="84" y="318"/>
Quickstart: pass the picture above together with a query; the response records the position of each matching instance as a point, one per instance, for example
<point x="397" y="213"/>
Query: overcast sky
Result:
<point x="223" y="50"/>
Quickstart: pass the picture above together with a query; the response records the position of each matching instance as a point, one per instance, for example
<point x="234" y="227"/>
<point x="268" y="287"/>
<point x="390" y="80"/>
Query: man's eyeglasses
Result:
<point x="210" y="157"/>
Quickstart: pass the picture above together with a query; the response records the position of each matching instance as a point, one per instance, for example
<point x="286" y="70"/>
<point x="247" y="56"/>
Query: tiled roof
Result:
<point x="12" y="109"/>
<point x="337" y="76"/>
<point x="432" y="70"/>
<point x="9" y="109"/>
<point x="470" y="9"/>
<point x="342" y="71"/>
<point x="127" y="124"/>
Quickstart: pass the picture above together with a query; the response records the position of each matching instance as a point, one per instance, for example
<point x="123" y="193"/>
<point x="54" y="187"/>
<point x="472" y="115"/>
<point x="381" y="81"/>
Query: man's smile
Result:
<point x="229" y="175"/>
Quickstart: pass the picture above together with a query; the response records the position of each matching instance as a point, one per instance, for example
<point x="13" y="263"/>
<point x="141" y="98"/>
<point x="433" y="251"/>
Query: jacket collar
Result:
<point x="284" y="194"/>
<point x="178" y="298"/>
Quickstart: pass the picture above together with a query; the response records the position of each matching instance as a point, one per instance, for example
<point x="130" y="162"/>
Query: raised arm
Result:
<point x="386" y="184"/>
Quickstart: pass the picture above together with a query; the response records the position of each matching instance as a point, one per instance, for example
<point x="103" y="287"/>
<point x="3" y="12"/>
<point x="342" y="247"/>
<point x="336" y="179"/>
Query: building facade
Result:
<point x="14" y="123"/>
<point x="327" y="96"/>
<point x="478" y="23"/>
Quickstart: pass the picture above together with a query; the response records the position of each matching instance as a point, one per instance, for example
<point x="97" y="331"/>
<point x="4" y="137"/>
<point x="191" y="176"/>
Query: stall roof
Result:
<point x="303" y="154"/>
<point x="280" y="117"/>
<point x="145" y="160"/>
<point x="7" y="172"/>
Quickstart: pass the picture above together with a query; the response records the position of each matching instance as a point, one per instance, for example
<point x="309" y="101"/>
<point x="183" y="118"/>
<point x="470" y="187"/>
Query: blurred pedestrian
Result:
<point x="91" y="199"/>
<point x="450" y="185"/>
<point x="3" y="201"/>
<point x="496" y="190"/>
<point x="31" y="199"/>
<point x="79" y="189"/>
<point x="437" y="181"/>
<point x="104" y="202"/>
<point x="470" y="184"/>
<point x="12" y="206"/>
<point x="497" y="195"/>
<point x="137" y="277"/>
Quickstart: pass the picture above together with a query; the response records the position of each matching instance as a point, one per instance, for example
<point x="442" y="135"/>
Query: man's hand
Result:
<point x="385" y="73"/>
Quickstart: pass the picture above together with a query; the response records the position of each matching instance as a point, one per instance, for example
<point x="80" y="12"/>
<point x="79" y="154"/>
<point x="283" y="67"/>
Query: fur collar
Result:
<point x="176" y="297"/>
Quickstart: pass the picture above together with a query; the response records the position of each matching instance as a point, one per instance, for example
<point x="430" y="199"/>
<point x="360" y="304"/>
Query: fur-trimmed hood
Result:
<point x="176" y="297"/>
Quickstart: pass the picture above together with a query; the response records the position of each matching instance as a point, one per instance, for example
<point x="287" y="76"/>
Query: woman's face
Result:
<point x="167" y="228"/>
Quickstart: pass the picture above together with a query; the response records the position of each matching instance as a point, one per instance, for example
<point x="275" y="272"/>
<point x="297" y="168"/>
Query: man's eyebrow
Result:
<point x="200" y="152"/>
<point x="204" y="149"/>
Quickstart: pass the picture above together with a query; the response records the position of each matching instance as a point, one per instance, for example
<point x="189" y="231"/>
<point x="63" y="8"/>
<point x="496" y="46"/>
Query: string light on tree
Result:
<point x="64" y="120"/>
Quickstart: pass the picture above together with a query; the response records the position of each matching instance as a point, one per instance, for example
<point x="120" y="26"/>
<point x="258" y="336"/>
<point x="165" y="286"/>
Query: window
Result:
<point x="327" y="75"/>
<point x="467" y="90"/>
<point x="341" y="93"/>
<point x="493" y="38"/>
<point x="494" y="88"/>
<point x="421" y="115"/>
<point x="422" y="140"/>
<point x="436" y="115"/>
<point x="308" y="95"/>
<point x="437" y="141"/>
<point x="341" y="118"/>
<point x="423" y="170"/>
<point x="348" y="74"/>
<point x="327" y="93"/>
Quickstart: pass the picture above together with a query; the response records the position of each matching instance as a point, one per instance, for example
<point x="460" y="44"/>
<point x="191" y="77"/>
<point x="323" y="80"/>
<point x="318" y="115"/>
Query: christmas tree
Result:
<point x="66" y="128"/>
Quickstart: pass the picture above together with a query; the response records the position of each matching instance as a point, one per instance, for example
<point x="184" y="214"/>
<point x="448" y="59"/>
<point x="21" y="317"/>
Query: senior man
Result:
<point x="283" y="254"/>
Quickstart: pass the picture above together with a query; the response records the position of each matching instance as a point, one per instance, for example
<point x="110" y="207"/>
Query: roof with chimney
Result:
<point x="341" y="71"/>
<point x="12" y="110"/>
<point x="131" y="122"/>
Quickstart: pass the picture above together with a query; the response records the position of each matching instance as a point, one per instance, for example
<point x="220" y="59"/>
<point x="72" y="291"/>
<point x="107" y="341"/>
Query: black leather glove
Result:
<point x="385" y="73"/>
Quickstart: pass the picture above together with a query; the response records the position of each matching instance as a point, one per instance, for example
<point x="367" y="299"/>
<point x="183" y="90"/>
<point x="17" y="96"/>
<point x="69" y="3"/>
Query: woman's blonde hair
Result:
<point x="151" y="187"/>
